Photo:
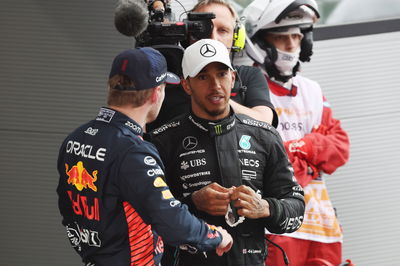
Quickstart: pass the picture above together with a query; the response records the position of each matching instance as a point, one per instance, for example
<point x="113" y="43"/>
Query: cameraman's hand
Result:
<point x="226" y="242"/>
<point x="212" y="199"/>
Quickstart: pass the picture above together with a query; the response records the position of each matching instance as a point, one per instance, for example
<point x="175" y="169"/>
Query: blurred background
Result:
<point x="54" y="63"/>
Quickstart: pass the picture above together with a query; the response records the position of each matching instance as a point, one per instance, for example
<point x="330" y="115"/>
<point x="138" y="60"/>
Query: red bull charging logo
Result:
<point x="80" y="177"/>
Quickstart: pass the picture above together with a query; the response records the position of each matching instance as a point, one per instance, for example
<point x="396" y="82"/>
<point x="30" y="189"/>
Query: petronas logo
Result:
<point x="244" y="142"/>
<point x="218" y="129"/>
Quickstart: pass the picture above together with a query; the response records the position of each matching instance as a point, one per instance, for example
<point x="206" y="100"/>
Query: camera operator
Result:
<point x="250" y="94"/>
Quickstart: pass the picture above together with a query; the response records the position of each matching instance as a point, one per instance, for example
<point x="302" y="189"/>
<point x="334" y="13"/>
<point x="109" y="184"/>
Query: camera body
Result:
<point x="170" y="37"/>
<point x="163" y="29"/>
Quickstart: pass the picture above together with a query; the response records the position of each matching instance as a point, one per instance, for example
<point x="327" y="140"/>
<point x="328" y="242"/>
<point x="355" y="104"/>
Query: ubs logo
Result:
<point x="189" y="143"/>
<point x="207" y="50"/>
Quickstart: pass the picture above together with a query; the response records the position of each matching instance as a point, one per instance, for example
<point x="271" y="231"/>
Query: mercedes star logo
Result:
<point x="189" y="143"/>
<point x="207" y="50"/>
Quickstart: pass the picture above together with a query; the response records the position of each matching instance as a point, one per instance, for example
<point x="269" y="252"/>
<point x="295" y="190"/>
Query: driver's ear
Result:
<point x="186" y="86"/>
<point x="154" y="95"/>
<point x="233" y="73"/>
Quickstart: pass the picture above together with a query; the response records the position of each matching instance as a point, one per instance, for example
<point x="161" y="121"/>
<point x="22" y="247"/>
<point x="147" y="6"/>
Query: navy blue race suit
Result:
<point x="233" y="151"/>
<point x="114" y="201"/>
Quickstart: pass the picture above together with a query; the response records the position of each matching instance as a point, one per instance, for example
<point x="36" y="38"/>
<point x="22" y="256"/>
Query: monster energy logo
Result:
<point x="218" y="129"/>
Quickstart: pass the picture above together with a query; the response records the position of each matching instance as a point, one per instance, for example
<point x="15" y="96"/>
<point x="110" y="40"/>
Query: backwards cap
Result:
<point x="146" y="67"/>
<point x="202" y="53"/>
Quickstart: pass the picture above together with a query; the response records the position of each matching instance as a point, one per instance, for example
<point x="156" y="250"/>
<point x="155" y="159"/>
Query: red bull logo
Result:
<point x="80" y="177"/>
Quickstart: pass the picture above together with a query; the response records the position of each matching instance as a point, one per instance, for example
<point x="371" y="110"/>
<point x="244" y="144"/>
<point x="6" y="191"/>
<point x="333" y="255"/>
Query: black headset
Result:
<point x="306" y="44"/>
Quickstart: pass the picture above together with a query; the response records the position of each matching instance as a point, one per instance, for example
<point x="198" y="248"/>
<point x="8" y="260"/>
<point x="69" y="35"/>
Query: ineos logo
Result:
<point x="207" y="50"/>
<point x="189" y="143"/>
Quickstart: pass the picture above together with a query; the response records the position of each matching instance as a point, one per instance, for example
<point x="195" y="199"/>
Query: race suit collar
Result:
<point x="122" y="121"/>
<point x="215" y="128"/>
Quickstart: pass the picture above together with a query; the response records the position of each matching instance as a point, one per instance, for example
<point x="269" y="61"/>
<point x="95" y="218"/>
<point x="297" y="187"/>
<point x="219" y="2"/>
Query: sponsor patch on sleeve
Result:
<point x="167" y="194"/>
<point x="159" y="182"/>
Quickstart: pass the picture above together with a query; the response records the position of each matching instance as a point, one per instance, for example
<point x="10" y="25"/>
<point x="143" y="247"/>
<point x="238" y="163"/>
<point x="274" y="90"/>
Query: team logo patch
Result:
<point x="79" y="177"/>
<point x="189" y="143"/>
<point x="244" y="142"/>
<point x="207" y="50"/>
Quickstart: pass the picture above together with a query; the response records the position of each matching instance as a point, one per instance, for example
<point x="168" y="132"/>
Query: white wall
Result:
<point x="360" y="77"/>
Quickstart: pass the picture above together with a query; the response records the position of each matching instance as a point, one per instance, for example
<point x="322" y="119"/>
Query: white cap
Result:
<point x="202" y="53"/>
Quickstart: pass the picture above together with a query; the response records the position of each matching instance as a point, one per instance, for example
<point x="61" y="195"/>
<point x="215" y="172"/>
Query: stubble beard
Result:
<point x="215" y="113"/>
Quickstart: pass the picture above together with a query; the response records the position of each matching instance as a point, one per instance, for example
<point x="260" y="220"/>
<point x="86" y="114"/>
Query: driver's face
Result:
<point x="210" y="91"/>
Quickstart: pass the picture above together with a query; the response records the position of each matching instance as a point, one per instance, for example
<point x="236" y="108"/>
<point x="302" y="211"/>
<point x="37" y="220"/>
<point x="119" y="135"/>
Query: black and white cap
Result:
<point x="202" y="53"/>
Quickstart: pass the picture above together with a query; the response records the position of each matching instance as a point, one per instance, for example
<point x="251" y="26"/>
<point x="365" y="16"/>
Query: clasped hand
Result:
<point x="214" y="200"/>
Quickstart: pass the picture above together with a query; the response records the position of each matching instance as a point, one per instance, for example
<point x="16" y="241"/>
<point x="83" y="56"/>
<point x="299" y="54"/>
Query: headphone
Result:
<point x="306" y="44"/>
<point x="239" y="37"/>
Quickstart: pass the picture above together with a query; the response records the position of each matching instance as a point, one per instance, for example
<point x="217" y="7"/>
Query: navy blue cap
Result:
<point x="145" y="66"/>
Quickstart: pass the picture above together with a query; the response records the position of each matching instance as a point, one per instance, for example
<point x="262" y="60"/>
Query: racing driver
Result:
<point x="230" y="169"/>
<point x="115" y="206"/>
